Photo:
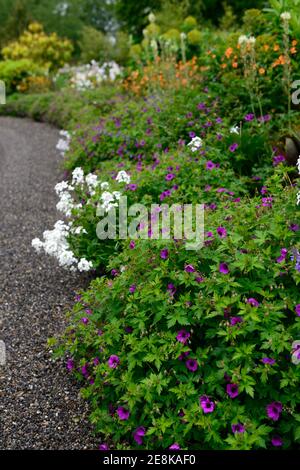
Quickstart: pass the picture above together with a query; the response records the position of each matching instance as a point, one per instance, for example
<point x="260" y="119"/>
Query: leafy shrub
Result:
<point x="34" y="44"/>
<point x="201" y="349"/>
<point x="15" y="73"/>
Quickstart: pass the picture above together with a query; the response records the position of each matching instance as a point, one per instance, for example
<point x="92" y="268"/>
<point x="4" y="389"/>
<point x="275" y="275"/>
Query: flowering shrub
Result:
<point x="16" y="73"/>
<point x="34" y="44"/>
<point x="91" y="75"/>
<point x="200" y="350"/>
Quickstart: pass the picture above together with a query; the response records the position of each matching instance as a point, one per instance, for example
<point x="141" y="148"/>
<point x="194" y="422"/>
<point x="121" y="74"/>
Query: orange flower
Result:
<point x="261" y="71"/>
<point x="223" y="66"/>
<point x="229" y="52"/>
<point x="235" y="65"/>
<point x="293" y="50"/>
<point x="214" y="56"/>
<point x="294" y="42"/>
<point x="276" y="48"/>
<point x="266" y="47"/>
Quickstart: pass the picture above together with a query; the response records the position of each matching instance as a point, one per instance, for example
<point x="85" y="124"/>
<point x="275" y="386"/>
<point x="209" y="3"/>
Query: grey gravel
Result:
<point x="40" y="405"/>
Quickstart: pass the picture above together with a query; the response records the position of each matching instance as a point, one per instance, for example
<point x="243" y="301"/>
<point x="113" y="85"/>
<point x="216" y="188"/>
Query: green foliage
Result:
<point x="152" y="380"/>
<point x="14" y="72"/>
<point x="94" y="45"/>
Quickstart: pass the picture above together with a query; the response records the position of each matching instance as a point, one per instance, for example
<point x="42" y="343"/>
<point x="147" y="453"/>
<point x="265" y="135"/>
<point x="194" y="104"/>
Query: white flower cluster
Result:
<point x="243" y="39"/>
<point x="195" y="144"/>
<point x="91" y="75"/>
<point x="55" y="244"/>
<point x="234" y="130"/>
<point x="63" y="145"/>
<point x="123" y="177"/>
<point x="286" y="16"/>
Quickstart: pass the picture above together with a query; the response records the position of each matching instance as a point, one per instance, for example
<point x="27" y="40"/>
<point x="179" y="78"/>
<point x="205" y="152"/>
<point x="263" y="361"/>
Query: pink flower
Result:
<point x="174" y="446"/>
<point x="183" y="336"/>
<point x="222" y="232"/>
<point x="123" y="413"/>
<point x="138" y="434"/>
<point x="223" y="268"/>
<point x="113" y="361"/>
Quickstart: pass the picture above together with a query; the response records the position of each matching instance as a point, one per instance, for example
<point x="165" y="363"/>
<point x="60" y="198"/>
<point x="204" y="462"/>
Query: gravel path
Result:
<point x="40" y="407"/>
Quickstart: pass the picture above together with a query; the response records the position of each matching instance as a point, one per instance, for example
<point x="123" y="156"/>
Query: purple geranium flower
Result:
<point x="132" y="288"/>
<point x="123" y="413"/>
<point x="170" y="177"/>
<point x="132" y="245"/>
<point x="174" y="446"/>
<point x="297" y="310"/>
<point x="70" y="364"/>
<point x="273" y="410"/>
<point x="183" y="336"/>
<point x="222" y="232"/>
<point x="210" y="165"/>
<point x="164" y="254"/>
<point x="206" y="404"/>
<point x="253" y="302"/>
<point x="283" y="254"/>
<point x="103" y="447"/>
<point x="192" y="365"/>
<point x="235" y="320"/>
<point x="268" y="360"/>
<point x="85" y="320"/>
<point x="232" y="390"/>
<point x="278" y="159"/>
<point x="223" y="268"/>
<point x="233" y="147"/>
<point x="294" y="227"/>
<point x="113" y="361"/>
<point x="238" y="428"/>
<point x="249" y="117"/>
<point x="132" y="187"/>
<point x="189" y="268"/>
<point x="138" y="434"/>
<point x="277" y="441"/>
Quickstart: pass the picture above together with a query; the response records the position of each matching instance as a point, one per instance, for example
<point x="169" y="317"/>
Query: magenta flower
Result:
<point x="170" y="176"/>
<point x="297" y="310"/>
<point x="132" y="245"/>
<point x="277" y="441"/>
<point x="138" y="434"/>
<point x="223" y="268"/>
<point x="103" y="447"/>
<point x="249" y="117"/>
<point x="132" y="187"/>
<point x="171" y="289"/>
<point x="70" y="364"/>
<point x="294" y="227"/>
<point x="238" y="428"/>
<point x="268" y="360"/>
<point x="183" y="336"/>
<point x="210" y="165"/>
<point x="233" y="147"/>
<point x="267" y="201"/>
<point x="174" y="446"/>
<point x="189" y="269"/>
<point x="235" y="320"/>
<point x="85" y="320"/>
<point x="278" y="159"/>
<point x="192" y="365"/>
<point x="274" y="410"/>
<point x="123" y="413"/>
<point x="132" y="288"/>
<point x="206" y="404"/>
<point x="232" y="390"/>
<point x="253" y="302"/>
<point x="282" y="256"/>
<point x="222" y="232"/>
<point x="164" y="254"/>
<point x="113" y="361"/>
